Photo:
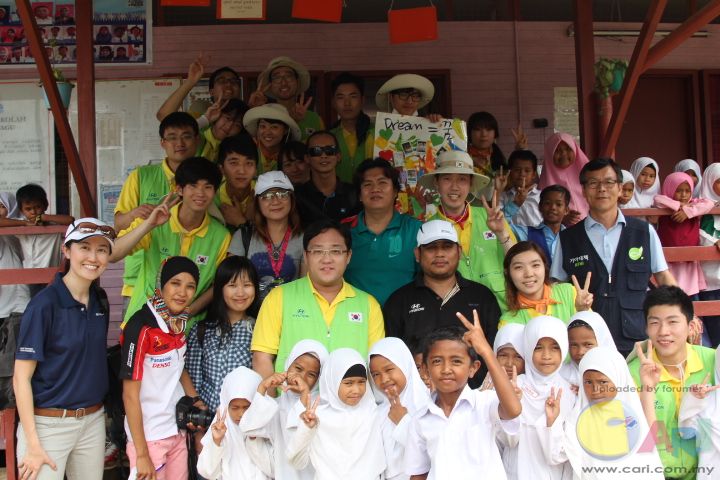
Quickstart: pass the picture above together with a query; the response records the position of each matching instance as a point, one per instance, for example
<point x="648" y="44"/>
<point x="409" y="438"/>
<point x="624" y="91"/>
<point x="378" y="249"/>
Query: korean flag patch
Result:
<point x="201" y="260"/>
<point x="355" y="317"/>
<point x="489" y="235"/>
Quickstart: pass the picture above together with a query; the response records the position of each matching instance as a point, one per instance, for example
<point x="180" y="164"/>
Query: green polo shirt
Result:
<point x="380" y="264"/>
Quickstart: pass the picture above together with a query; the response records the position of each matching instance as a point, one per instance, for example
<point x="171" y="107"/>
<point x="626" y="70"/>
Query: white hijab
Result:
<point x="645" y="198"/>
<point x="8" y="199"/>
<point x="348" y="440"/>
<point x="536" y="387"/>
<point x="414" y="397"/>
<point x="690" y="164"/>
<point x="627" y="177"/>
<point x="571" y="370"/>
<point x="511" y="334"/>
<point x="289" y="402"/>
<point x="612" y="364"/>
<point x="712" y="174"/>
<point x="240" y="383"/>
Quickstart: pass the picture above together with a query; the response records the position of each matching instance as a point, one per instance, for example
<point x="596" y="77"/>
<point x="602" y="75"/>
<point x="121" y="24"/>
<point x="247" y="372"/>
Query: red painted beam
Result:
<point x="58" y="110"/>
<point x="635" y="69"/>
<point x="644" y="212"/>
<point x="27" y="276"/>
<point x="707" y="309"/>
<point x="690" y="254"/>
<point x="86" y="92"/>
<point x="585" y="75"/>
<point x="33" y="230"/>
<point x="697" y="21"/>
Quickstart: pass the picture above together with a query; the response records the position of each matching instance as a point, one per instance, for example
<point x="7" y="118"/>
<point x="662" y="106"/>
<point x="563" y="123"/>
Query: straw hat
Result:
<point x="455" y="161"/>
<point x="405" y="80"/>
<point x="270" y="111"/>
<point x="302" y="73"/>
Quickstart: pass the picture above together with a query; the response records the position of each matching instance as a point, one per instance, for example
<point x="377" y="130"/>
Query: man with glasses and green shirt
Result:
<point x="325" y="195"/>
<point x="320" y="306"/>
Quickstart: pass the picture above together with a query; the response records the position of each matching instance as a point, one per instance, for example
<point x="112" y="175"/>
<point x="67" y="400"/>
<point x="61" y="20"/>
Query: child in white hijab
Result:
<point x="340" y="434"/>
<point x="545" y="345"/>
<point x="592" y="441"/>
<point x="700" y="417"/>
<point x="278" y="419"/>
<point x="227" y="452"/>
<point x="401" y="393"/>
<point x="646" y="172"/>
<point x="586" y="330"/>
<point x="627" y="191"/>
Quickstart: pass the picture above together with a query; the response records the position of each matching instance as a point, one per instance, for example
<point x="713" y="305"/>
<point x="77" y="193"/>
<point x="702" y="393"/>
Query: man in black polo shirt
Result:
<point x="324" y="196"/>
<point x="438" y="292"/>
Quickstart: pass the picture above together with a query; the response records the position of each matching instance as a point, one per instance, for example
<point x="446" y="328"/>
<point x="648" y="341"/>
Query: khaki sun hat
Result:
<point x="302" y="73"/>
<point x="455" y="161"/>
<point x="405" y="80"/>
<point x="270" y="111"/>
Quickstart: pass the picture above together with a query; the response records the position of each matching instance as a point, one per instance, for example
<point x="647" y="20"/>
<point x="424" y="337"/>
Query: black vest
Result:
<point x="618" y="295"/>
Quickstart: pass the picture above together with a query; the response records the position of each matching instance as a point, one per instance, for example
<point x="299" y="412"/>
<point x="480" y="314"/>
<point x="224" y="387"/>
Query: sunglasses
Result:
<point x="318" y="151"/>
<point x="279" y="194"/>
<point x="89" y="227"/>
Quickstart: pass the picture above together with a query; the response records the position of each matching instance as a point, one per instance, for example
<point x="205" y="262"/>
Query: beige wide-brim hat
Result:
<point x="405" y="80"/>
<point x="455" y="161"/>
<point x="302" y="73"/>
<point x="270" y="111"/>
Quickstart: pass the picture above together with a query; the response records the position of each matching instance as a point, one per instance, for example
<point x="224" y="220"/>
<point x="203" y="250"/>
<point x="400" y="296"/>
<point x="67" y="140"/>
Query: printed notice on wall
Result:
<point x="567" y="117"/>
<point x="241" y="9"/>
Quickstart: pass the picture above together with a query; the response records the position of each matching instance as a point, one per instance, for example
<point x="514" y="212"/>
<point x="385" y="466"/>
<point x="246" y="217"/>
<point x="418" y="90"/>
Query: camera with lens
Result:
<point x="186" y="412"/>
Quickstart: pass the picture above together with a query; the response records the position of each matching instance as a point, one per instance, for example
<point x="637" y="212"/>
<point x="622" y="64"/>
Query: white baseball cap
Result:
<point x="87" y="227"/>
<point x="274" y="179"/>
<point x="435" y="230"/>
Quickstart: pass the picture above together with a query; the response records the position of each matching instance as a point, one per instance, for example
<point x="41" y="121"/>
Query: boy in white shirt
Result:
<point x="454" y="437"/>
<point x="521" y="202"/>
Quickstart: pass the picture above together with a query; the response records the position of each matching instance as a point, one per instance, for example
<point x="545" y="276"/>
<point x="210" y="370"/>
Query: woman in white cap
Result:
<point x="271" y="126"/>
<point x="484" y="234"/>
<point x="275" y="246"/>
<point x="286" y="81"/>
<point x="61" y="374"/>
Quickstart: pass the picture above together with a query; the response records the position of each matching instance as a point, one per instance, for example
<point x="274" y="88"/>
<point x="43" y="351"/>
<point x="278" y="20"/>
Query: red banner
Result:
<point x="413" y="24"/>
<point x="323" y="10"/>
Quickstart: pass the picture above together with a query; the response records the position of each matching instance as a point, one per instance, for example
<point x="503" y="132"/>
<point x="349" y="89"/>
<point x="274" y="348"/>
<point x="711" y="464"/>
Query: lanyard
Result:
<point x="278" y="257"/>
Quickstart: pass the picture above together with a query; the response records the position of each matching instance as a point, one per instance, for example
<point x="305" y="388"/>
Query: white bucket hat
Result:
<point x="274" y="179"/>
<point x="435" y="230"/>
<point x="455" y="161"/>
<point x="405" y="80"/>
<point x="302" y="73"/>
<point x="270" y="111"/>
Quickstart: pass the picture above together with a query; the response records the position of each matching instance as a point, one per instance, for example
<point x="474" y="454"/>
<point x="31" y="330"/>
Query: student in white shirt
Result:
<point x="401" y="393"/>
<point x="227" y="452"/>
<point x="454" y="436"/>
<point x="521" y="202"/>
<point x="586" y="330"/>
<point x="545" y="345"/>
<point x="341" y="437"/>
<point x="278" y="419"/>
<point x="597" y="446"/>
<point x="700" y="417"/>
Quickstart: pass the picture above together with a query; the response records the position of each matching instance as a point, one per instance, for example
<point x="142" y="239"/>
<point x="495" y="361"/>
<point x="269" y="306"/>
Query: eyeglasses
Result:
<point x="326" y="149"/>
<point x="279" y="194"/>
<point x="594" y="184"/>
<point x="227" y="80"/>
<point x="404" y="96"/>
<point x="288" y="77"/>
<point x="186" y="137"/>
<point x="89" y="227"/>
<point x="332" y="252"/>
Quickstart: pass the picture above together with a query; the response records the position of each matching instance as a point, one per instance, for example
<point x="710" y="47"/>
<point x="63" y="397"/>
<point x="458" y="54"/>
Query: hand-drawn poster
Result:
<point x="412" y="145"/>
<point x="121" y="32"/>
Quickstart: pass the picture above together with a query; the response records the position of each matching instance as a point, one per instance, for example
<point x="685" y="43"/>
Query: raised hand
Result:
<point x="495" y="217"/>
<point x="273" y="381"/>
<point x="161" y="213"/>
<point x="300" y="109"/>
<point x="196" y="69"/>
<point x="215" y="110"/>
<point x="583" y="298"/>
<point x="521" y="140"/>
<point x="142" y="211"/>
<point x="397" y="411"/>
<point x="521" y="193"/>
<point x="500" y="180"/>
<point x="552" y="406"/>
<point x="572" y="218"/>
<point x="649" y="370"/>
<point x="309" y="416"/>
<point x="219" y="428"/>
<point x="475" y="337"/>
<point x="259" y="97"/>
<point x="700" y="390"/>
<point x="296" y="383"/>
<point x="514" y="383"/>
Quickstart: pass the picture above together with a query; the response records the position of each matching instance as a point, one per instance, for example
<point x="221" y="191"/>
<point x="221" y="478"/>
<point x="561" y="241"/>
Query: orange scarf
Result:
<point x="540" y="306"/>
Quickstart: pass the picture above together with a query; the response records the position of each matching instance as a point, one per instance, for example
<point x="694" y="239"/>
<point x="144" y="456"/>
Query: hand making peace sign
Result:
<point x="397" y="410"/>
<point x="300" y="109"/>
<point x="583" y="298"/>
<point x="475" y="337"/>
<point x="552" y="406"/>
<point x="219" y="428"/>
<point x="258" y="97"/>
<point x="309" y="416"/>
<point x="649" y="370"/>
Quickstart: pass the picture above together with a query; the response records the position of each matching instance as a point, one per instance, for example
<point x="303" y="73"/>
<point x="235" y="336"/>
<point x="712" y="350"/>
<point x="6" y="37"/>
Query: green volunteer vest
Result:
<point x="204" y="251"/>
<point x="683" y="455"/>
<point x="302" y="318"/>
<point x="560" y="292"/>
<point x="484" y="264"/>
<point x="310" y="124"/>
<point x="349" y="163"/>
<point x="153" y="186"/>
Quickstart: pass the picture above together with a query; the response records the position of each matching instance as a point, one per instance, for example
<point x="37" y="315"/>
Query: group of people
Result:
<point x="270" y="277"/>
